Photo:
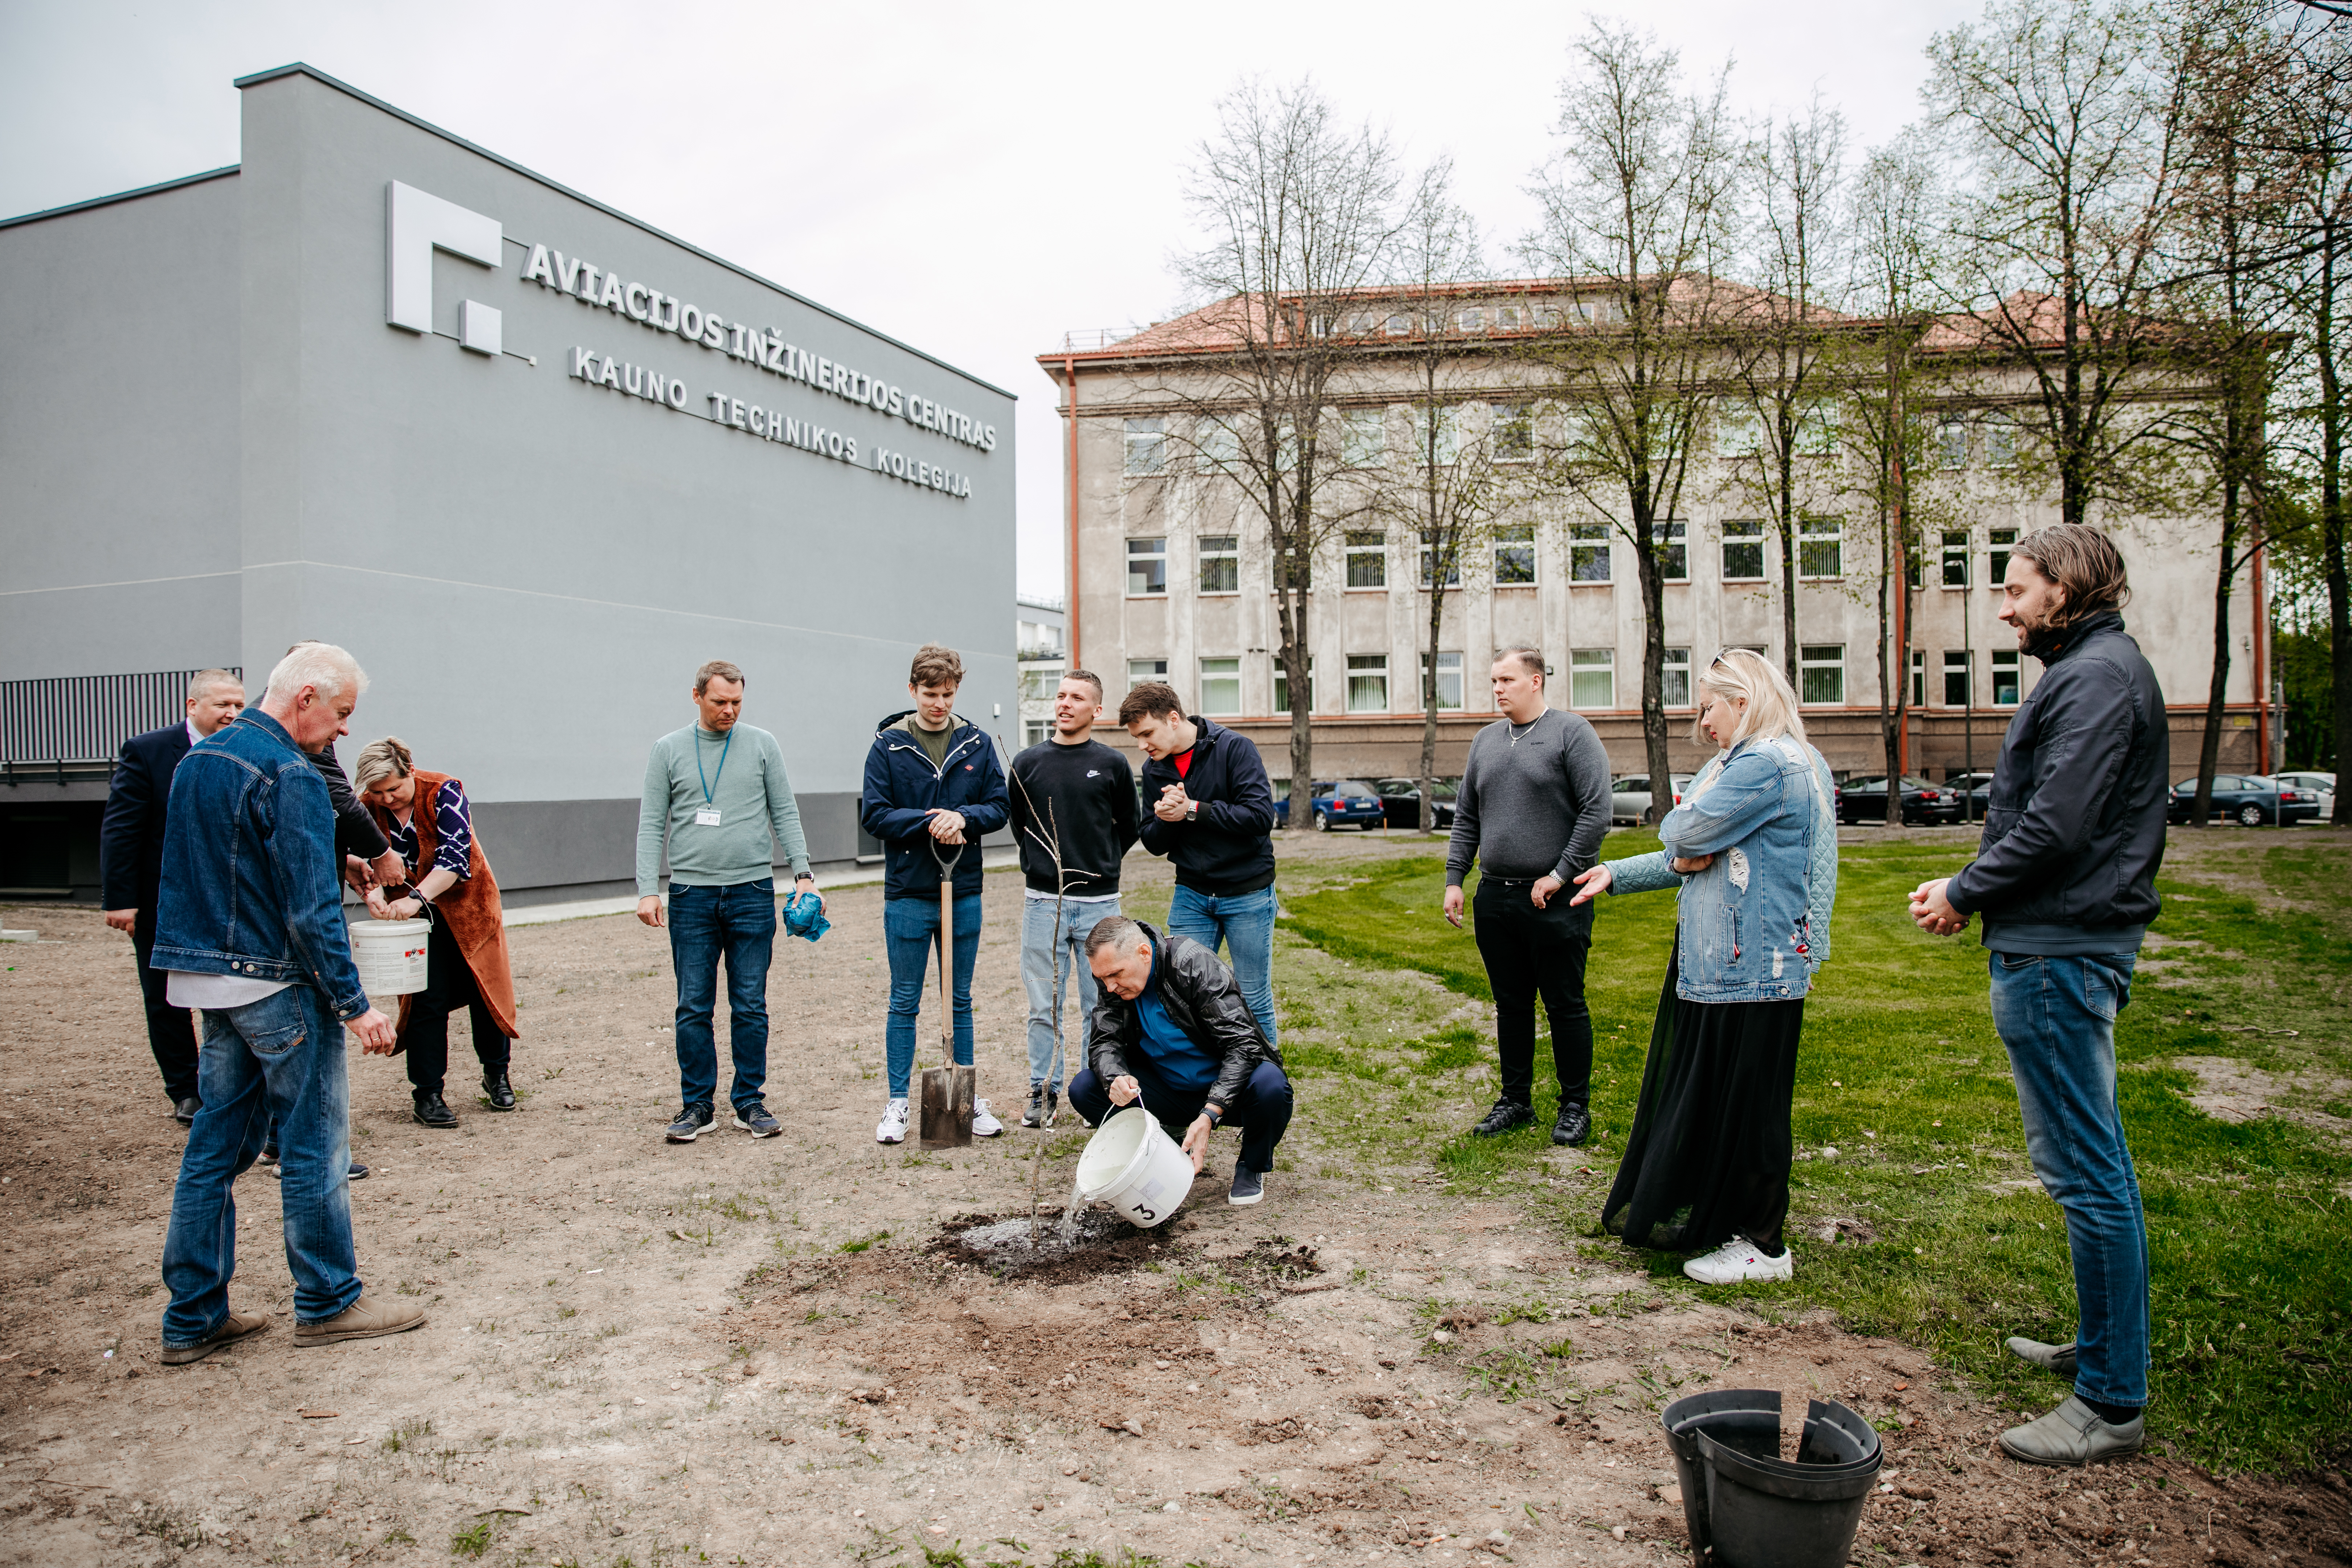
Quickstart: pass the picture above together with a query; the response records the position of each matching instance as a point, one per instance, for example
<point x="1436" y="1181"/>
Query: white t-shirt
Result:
<point x="189" y="989"/>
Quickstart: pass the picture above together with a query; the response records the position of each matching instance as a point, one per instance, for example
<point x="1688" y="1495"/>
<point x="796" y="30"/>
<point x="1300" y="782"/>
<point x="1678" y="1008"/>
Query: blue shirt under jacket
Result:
<point x="1181" y="1061"/>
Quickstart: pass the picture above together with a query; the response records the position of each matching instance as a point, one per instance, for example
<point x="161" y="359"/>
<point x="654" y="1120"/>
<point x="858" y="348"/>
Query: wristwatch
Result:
<point x="1191" y="810"/>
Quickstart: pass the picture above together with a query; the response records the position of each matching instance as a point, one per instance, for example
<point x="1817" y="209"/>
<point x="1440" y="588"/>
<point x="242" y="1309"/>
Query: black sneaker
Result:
<point x="1507" y="1114"/>
<point x="1574" y="1126"/>
<point x="358" y="1172"/>
<point x="1035" y="1115"/>
<point x="269" y="1154"/>
<point x="693" y="1121"/>
<point x="1248" y="1187"/>
<point x="432" y="1110"/>
<point x="184" y="1112"/>
<point x="497" y="1093"/>
<point x="753" y="1118"/>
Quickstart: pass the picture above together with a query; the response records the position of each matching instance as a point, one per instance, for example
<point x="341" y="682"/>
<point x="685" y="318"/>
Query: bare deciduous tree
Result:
<point x="1299" y="211"/>
<point x="1635" y="209"/>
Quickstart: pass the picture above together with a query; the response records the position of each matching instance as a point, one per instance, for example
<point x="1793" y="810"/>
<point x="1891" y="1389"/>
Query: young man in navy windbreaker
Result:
<point x="933" y="788"/>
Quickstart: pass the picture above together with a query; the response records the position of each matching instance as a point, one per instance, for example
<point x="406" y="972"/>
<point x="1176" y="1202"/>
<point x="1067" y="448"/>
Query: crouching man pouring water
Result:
<point x="1169" y="1026"/>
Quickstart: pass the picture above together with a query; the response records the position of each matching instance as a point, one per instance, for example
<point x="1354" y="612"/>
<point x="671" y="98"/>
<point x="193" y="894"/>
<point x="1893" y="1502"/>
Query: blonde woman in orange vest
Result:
<point x="425" y="817"/>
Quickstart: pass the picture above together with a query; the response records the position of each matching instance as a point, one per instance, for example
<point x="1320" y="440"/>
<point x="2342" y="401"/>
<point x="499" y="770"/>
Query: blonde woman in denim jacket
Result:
<point x="1752" y="851"/>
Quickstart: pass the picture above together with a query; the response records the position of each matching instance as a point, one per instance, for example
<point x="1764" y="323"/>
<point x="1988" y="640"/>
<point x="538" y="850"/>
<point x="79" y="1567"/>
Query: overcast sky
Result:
<point x="974" y="180"/>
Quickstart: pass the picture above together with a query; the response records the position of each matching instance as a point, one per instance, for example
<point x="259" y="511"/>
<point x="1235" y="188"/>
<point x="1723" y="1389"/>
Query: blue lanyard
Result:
<point x="722" y="762"/>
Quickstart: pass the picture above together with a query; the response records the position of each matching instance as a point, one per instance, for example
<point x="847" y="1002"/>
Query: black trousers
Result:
<point x="171" y="1034"/>
<point x="1529" y="953"/>
<point x="448" y="985"/>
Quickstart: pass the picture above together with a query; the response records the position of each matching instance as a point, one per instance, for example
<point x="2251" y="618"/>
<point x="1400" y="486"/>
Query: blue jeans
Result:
<point x="1261" y="1110"/>
<point x="2057" y="1016"/>
<point x="1047" y="952"/>
<point x="1244" y="921"/>
<point x="740" y="921"/>
<point x="281" y="1056"/>
<point x="910" y="927"/>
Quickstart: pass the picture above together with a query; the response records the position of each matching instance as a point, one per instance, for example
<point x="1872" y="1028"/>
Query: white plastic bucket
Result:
<point x="1134" y="1166"/>
<point x="391" y="956"/>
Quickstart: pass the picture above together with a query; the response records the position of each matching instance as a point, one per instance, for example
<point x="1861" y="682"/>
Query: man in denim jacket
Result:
<point x="2066" y="879"/>
<point x="249" y="927"/>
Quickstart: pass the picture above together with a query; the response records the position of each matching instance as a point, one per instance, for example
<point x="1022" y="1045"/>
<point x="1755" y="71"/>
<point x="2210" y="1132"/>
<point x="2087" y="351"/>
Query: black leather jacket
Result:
<point x="2074" y="821"/>
<point x="1201" y="999"/>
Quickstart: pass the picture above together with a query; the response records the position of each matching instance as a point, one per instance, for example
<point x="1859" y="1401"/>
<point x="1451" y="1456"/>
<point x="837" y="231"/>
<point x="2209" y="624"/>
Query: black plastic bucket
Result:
<point x="1751" y="1509"/>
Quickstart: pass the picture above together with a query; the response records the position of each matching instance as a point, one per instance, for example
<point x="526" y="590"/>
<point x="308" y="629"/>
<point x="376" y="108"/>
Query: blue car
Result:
<point x="1350" y="803"/>
<point x="2247" y="798"/>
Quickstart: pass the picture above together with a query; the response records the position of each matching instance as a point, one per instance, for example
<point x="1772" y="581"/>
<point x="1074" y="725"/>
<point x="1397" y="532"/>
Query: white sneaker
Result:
<point x="1736" y="1260"/>
<point x="893" y="1126"/>
<point x="984" y="1124"/>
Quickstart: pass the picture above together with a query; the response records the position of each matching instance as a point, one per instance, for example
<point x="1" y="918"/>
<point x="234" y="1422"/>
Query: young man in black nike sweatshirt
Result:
<point x="1074" y="789"/>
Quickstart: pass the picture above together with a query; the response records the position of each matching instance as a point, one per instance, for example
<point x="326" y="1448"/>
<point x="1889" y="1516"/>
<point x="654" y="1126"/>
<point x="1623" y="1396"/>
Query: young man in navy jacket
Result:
<point x="933" y="789"/>
<point x="1211" y="811"/>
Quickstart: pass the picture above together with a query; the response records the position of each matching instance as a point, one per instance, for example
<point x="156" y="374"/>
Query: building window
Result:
<point x="1449" y="681"/>
<point x="1509" y="318"/>
<point x="1219" y="445"/>
<point x="1821" y="672"/>
<point x="1147" y="567"/>
<point x="1039" y="640"/>
<point x="1955" y="677"/>
<point x="1820" y="549"/>
<point x="1368" y="558"/>
<point x="1452" y="561"/>
<point x="1220" y="563"/>
<point x="1368" y="683"/>
<point x="1587" y="553"/>
<point x="1473" y="320"/>
<point x="1147" y="445"/>
<point x="1997" y="567"/>
<point x="1446" y="433"/>
<point x="1040" y="685"/>
<point x="1514" y="556"/>
<point x="2006" y="677"/>
<point x="1035" y="729"/>
<point x="1221" y="686"/>
<point x="1956" y="558"/>
<point x="1737" y="432"/>
<point x="1674" y="681"/>
<point x="1952" y="445"/>
<point x="1673" y="558"/>
<point x="1743" y="550"/>
<point x="1139" y="670"/>
<point x="1512" y="432"/>
<point x="2001" y="445"/>
<point x="1918" y="678"/>
<point x="1399" y="325"/>
<point x="1282" y="685"/>
<point x="1364" y="438"/>
<point x="1598" y="310"/>
<point x="1593" y="678"/>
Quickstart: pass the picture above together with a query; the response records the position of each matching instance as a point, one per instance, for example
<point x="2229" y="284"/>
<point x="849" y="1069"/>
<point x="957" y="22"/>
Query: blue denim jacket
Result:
<point x="249" y="868"/>
<point x="1755" y="925"/>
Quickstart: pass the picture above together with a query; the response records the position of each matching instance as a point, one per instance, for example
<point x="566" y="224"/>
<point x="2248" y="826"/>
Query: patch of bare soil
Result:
<point x="772" y="1352"/>
<point x="2232" y="1090"/>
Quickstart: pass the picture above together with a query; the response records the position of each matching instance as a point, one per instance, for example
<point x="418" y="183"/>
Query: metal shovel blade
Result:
<point x="945" y="1106"/>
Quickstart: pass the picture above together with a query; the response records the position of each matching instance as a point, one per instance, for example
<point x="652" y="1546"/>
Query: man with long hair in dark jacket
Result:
<point x="1170" y="1028"/>
<point x="2065" y="879"/>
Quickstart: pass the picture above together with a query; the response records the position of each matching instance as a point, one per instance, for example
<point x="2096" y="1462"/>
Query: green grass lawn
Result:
<point x="2250" y="1225"/>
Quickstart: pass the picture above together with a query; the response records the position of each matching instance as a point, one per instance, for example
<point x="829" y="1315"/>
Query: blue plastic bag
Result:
<point x="804" y="916"/>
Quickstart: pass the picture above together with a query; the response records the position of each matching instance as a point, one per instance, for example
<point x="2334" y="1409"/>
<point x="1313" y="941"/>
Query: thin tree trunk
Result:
<point x="2209" y="754"/>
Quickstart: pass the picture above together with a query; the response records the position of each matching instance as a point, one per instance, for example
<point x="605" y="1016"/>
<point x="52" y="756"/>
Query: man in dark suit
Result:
<point x="130" y="862"/>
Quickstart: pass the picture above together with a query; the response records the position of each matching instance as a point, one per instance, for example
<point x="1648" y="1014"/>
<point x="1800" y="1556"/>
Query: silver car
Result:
<point x="1629" y="797"/>
<point x="2321" y="784"/>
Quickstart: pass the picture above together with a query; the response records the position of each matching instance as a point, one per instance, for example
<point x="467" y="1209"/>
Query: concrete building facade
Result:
<point x="1171" y="572"/>
<point x="533" y="461"/>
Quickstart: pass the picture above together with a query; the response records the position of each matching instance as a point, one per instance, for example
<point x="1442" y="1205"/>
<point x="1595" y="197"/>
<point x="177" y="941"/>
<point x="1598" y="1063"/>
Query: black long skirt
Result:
<point x="1709" y="1156"/>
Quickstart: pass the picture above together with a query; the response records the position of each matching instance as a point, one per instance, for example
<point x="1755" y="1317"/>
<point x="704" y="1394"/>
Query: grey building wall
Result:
<point x="530" y="566"/>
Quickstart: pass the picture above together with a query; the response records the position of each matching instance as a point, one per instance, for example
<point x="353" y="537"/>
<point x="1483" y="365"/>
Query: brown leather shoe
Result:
<point x="235" y="1326"/>
<point x="363" y="1319"/>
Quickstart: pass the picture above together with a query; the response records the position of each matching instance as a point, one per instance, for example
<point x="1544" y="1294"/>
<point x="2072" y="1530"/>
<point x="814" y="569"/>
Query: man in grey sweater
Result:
<point x="720" y="815"/>
<point x="1533" y="805"/>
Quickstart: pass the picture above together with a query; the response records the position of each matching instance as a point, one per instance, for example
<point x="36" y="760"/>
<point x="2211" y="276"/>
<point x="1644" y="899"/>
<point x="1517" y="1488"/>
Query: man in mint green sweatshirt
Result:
<point x="720" y="813"/>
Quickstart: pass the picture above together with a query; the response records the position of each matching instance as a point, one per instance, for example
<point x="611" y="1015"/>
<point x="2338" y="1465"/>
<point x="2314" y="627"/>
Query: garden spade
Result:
<point x="945" y="1094"/>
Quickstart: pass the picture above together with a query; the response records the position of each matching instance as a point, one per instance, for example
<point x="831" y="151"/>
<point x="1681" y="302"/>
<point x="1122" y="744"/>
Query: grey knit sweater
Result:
<point x="1534" y="800"/>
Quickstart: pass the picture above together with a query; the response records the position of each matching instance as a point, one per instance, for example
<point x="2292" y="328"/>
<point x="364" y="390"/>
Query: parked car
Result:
<point x="1400" y="801"/>
<point x="1976" y="792"/>
<point x="1863" y="800"/>
<point x="1629" y="797"/>
<point x="1350" y="803"/>
<point x="2321" y="784"/>
<point x="2246" y="798"/>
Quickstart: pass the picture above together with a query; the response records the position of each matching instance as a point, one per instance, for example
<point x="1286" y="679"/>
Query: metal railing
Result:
<point x="68" y="725"/>
<point x="1081" y="338"/>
